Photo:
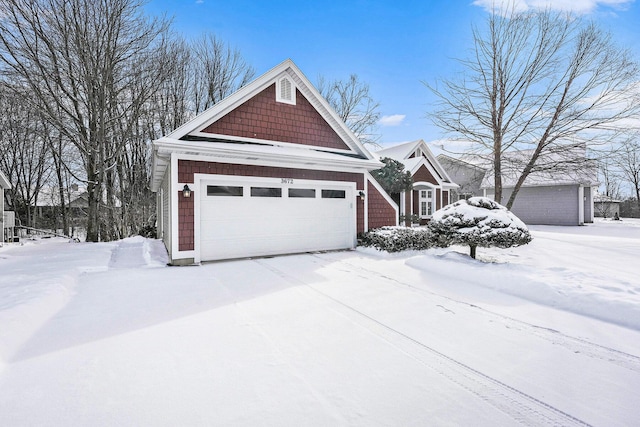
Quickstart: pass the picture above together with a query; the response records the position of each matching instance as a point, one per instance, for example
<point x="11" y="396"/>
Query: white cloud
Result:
<point x="578" y="6"/>
<point x="393" y="120"/>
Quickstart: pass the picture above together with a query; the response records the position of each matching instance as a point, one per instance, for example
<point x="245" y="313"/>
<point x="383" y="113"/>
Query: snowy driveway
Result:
<point x="103" y="334"/>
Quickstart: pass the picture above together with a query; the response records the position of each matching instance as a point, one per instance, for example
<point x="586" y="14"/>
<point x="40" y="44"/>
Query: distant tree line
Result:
<point x="86" y="85"/>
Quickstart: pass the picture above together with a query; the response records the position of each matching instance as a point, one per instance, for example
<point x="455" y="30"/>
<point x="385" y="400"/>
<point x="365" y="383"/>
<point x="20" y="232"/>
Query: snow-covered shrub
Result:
<point x="396" y="239"/>
<point x="475" y="222"/>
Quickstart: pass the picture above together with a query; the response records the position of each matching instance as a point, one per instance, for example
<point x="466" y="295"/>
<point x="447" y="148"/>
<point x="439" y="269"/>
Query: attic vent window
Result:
<point x="285" y="91"/>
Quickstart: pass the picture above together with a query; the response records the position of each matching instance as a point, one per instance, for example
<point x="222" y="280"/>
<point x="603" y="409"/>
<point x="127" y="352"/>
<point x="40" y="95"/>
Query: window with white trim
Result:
<point x="426" y="203"/>
<point x="285" y="91"/>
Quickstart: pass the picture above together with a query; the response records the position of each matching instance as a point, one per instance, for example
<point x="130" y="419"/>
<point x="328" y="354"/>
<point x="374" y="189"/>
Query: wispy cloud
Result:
<point x="577" y="6"/>
<point x="393" y="120"/>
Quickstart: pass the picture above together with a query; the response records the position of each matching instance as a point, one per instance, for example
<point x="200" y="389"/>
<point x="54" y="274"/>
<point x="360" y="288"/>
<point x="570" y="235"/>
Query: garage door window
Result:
<point x="223" y="190"/>
<point x="309" y="193"/>
<point x="333" y="194"/>
<point x="266" y="192"/>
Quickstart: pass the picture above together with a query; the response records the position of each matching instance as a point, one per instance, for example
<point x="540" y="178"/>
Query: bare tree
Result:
<point x="628" y="160"/>
<point x="354" y="105"/>
<point x="610" y="176"/>
<point x="219" y="70"/>
<point x="540" y="83"/>
<point x="83" y="61"/>
<point x="25" y="154"/>
<point x="173" y="104"/>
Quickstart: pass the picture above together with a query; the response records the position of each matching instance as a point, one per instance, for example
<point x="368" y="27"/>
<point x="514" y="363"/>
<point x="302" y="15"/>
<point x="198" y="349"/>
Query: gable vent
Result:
<point x="285" y="91"/>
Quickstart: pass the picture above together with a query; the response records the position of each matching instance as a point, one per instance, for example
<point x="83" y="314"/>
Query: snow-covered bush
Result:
<point x="478" y="222"/>
<point x="396" y="239"/>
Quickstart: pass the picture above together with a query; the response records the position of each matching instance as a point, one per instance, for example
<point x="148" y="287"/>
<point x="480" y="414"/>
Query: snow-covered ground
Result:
<point x="105" y="334"/>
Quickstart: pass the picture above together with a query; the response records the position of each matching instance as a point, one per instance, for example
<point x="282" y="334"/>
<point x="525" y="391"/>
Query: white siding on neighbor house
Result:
<point x="556" y="205"/>
<point x="588" y="204"/>
<point x="164" y="231"/>
<point x="1" y="214"/>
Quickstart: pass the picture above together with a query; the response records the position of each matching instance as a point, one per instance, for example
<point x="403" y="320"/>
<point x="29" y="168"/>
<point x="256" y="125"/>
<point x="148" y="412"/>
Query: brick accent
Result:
<point x="185" y="223"/>
<point x="423" y="174"/>
<point x="381" y="213"/>
<point x="262" y="117"/>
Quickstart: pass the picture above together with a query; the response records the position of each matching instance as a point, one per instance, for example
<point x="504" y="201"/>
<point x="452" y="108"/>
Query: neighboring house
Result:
<point x="4" y="185"/>
<point x="48" y="207"/>
<point x="269" y="170"/>
<point x="466" y="174"/>
<point x="606" y="207"/>
<point x="561" y="195"/>
<point x="432" y="185"/>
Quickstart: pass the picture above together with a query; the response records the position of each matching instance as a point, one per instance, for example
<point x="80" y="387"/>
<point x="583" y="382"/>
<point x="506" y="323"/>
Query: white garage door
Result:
<point x="247" y="217"/>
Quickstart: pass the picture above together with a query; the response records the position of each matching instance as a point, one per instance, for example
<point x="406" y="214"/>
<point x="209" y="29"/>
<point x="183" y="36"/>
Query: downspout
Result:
<point x="580" y="205"/>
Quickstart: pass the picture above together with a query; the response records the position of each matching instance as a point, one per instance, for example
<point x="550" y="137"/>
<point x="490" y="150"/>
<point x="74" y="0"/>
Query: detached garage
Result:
<point x="269" y="170"/>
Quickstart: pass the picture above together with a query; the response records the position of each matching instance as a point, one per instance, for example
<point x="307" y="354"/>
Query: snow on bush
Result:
<point x="396" y="239"/>
<point x="478" y="221"/>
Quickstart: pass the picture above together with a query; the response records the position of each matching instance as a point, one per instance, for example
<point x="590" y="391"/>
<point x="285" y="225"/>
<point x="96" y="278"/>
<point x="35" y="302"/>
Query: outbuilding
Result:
<point x="269" y="170"/>
<point x="4" y="185"/>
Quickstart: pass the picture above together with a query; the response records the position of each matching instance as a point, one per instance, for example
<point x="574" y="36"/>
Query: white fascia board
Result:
<point x="4" y="182"/>
<point x="327" y="112"/>
<point x="268" y="142"/>
<point x="426" y="164"/>
<point x="159" y="166"/>
<point x="298" y="158"/>
<point x="449" y="185"/>
<point x="434" y="161"/>
<point x="247" y="92"/>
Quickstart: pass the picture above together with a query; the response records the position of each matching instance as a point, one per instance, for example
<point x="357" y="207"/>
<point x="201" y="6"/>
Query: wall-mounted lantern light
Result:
<point x="361" y="194"/>
<point x="186" y="191"/>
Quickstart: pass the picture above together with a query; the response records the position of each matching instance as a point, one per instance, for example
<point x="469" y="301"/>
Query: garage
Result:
<point x="269" y="170"/>
<point x="253" y="216"/>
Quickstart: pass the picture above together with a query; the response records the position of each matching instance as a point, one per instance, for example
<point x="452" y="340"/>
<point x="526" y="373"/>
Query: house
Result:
<point x="606" y="206"/>
<point x="559" y="191"/>
<point x="432" y="185"/>
<point x="4" y="185"/>
<point x="466" y="174"/>
<point x="269" y="170"/>
<point x="49" y="207"/>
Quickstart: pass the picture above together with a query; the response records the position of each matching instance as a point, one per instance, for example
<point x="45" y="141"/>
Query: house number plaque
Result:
<point x="286" y="180"/>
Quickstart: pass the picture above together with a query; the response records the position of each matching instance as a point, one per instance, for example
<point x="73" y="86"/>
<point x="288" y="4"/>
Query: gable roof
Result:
<point x="196" y="137"/>
<point x="404" y="152"/>
<point x="566" y="165"/>
<point x="4" y="181"/>
<point x="465" y="161"/>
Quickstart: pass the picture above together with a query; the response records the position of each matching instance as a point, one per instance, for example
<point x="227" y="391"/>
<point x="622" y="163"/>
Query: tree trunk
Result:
<point x="472" y="252"/>
<point x="93" y="211"/>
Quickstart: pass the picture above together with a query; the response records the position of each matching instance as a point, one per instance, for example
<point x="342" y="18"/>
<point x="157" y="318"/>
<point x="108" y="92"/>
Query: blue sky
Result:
<point x="394" y="46"/>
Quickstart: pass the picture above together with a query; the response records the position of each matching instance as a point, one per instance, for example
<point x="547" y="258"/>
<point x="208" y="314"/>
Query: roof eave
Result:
<point x="230" y="153"/>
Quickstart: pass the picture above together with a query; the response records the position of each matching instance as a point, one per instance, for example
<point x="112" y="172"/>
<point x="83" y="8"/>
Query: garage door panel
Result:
<point x="233" y="226"/>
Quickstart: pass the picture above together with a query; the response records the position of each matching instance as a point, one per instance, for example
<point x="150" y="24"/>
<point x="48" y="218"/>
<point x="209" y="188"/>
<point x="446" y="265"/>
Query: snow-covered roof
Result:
<point x="399" y="152"/>
<point x="405" y="154"/>
<point x="50" y="195"/>
<point x="4" y="181"/>
<point x="231" y="152"/>
<point x="603" y="198"/>
<point x="563" y="166"/>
